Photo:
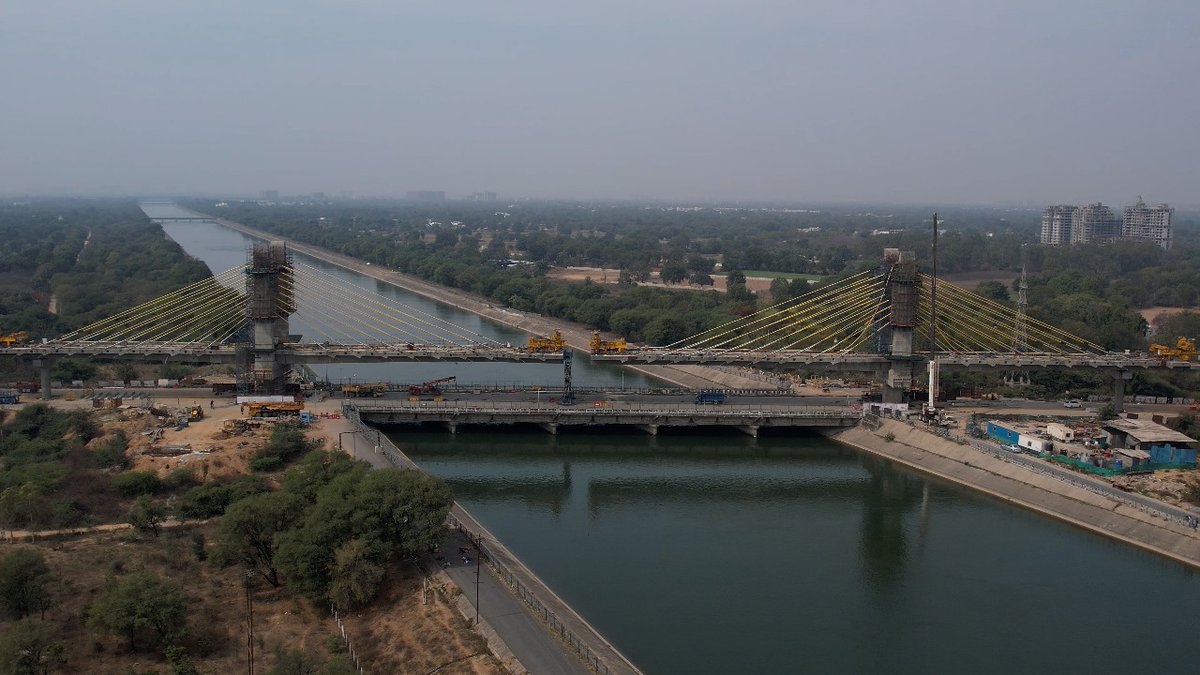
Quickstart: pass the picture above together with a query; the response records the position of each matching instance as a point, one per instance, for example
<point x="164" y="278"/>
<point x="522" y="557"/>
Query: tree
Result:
<point x="147" y="515"/>
<point x="993" y="290"/>
<point x="140" y="607"/>
<point x="673" y="273"/>
<point x="356" y="576"/>
<point x="24" y="583"/>
<point x="250" y="529"/>
<point x="126" y="372"/>
<point x="19" y="506"/>
<point x="31" y="647"/>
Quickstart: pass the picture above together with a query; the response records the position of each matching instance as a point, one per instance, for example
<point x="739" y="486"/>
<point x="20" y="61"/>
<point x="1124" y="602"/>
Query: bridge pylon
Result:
<point x="270" y="300"/>
<point x="903" y="287"/>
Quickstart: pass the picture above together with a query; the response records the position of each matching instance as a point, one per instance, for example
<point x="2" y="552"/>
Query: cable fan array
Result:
<point x="333" y="310"/>
<point x="836" y="318"/>
<point x="968" y="322"/>
<point x="207" y="312"/>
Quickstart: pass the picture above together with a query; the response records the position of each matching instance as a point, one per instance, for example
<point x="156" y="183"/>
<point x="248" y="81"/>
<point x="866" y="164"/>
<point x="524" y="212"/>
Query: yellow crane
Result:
<point x="16" y="338"/>
<point x="599" y="345"/>
<point x="554" y="343"/>
<point x="1184" y="350"/>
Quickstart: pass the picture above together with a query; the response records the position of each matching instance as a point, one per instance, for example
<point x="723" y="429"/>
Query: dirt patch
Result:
<point x="1153" y="315"/>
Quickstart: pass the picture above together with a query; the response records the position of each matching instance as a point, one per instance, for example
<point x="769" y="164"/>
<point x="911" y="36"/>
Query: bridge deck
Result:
<point x="647" y="416"/>
<point x="290" y="353"/>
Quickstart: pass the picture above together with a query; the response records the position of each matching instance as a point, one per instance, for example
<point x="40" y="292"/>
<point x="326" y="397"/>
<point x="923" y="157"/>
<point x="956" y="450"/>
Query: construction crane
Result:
<point x="599" y="345"/>
<point x="431" y="387"/>
<point x="554" y="343"/>
<point x="1184" y="350"/>
<point x="16" y="338"/>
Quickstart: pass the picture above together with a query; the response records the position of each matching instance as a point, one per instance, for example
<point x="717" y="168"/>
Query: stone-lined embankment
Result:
<point x="1019" y="485"/>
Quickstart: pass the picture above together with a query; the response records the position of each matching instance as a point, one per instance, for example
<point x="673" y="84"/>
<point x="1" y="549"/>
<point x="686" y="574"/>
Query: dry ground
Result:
<point x="602" y="275"/>
<point x="397" y="634"/>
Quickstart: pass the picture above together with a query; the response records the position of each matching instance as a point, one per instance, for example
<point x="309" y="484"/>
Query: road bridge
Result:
<point x="645" y="416"/>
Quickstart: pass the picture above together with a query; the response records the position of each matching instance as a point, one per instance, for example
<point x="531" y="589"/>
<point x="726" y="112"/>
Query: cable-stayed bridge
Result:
<point x="247" y="316"/>
<point x="894" y="322"/>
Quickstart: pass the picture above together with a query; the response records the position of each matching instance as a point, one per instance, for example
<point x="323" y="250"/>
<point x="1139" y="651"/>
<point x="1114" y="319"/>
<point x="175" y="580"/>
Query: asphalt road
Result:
<point x="529" y="640"/>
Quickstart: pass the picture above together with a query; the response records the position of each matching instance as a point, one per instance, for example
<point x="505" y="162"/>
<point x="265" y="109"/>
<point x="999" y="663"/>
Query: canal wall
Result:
<point x="576" y="336"/>
<point x="559" y="618"/>
<point x="1022" y="486"/>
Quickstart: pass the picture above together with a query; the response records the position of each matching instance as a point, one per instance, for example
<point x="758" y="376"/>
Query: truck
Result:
<point x="710" y="397"/>
<point x="281" y="409"/>
<point x="375" y="390"/>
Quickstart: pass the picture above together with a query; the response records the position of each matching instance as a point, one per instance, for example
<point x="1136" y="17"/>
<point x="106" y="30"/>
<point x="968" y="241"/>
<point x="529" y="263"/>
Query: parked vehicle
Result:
<point x="1072" y="403"/>
<point x="711" y="397"/>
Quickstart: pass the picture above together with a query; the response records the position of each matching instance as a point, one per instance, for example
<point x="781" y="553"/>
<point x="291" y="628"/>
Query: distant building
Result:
<point x="427" y="195"/>
<point x="1097" y="224"/>
<point x="483" y="196"/>
<point x="269" y="195"/>
<point x="1094" y="224"/>
<point x="1056" y="224"/>
<point x="1152" y="223"/>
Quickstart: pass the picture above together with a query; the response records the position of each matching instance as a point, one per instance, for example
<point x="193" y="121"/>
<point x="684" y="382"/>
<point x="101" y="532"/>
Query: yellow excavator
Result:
<point x="1184" y="350"/>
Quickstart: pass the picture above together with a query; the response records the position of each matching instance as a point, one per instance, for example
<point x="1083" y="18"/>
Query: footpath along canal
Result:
<point x="715" y="553"/>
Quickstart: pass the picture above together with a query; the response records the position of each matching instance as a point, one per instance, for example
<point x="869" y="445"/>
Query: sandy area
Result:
<point x="602" y="275"/>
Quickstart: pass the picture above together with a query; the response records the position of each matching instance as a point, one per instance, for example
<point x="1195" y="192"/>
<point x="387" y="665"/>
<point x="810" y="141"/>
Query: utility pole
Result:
<point x="478" y="563"/>
<point x="248" y="582"/>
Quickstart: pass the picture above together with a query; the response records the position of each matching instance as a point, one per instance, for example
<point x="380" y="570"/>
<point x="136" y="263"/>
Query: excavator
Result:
<point x="599" y="345"/>
<point x="12" y="339"/>
<point x="431" y="387"/>
<point x="1184" y="350"/>
<point x="554" y="343"/>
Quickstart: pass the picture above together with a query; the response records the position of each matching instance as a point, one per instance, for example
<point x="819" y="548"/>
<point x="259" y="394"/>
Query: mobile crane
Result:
<point x="431" y="387"/>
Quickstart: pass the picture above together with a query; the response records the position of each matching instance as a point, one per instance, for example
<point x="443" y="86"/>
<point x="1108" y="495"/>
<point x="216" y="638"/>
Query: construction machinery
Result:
<point x="280" y="409"/>
<point x="1184" y="350"/>
<point x="554" y="343"/>
<point x="432" y="387"/>
<point x="375" y="390"/>
<point x="19" y="337"/>
<point x="599" y="345"/>
<point x="195" y="413"/>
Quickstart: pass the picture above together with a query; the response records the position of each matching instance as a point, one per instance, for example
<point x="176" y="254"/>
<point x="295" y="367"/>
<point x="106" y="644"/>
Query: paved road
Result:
<point x="528" y="639"/>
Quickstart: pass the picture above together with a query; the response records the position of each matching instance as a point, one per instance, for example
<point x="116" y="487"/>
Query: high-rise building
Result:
<point x="1151" y="223"/>
<point x="269" y="195"/>
<point x="1056" y="224"/>
<point x="427" y="195"/>
<point x="1094" y="224"/>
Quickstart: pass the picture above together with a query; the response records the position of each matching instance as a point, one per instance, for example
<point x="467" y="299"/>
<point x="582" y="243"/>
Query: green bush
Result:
<point x="136" y="483"/>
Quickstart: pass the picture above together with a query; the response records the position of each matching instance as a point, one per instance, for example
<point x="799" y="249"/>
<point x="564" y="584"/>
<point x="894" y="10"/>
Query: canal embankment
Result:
<point x="551" y="613"/>
<point x="1022" y="486"/>
<point x="576" y="336"/>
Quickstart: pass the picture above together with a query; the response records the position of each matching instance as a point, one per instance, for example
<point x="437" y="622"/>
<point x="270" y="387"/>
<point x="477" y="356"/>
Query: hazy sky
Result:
<point x="891" y="100"/>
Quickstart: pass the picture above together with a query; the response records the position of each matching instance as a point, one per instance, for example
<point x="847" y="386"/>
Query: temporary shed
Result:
<point x="1162" y="444"/>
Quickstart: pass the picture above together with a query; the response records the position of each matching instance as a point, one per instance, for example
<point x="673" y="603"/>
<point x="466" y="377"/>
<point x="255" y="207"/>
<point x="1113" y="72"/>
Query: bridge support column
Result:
<point x="750" y="430"/>
<point x="1119" y="389"/>
<point x="549" y="427"/>
<point x="651" y="429"/>
<point x="44" y="371"/>
<point x="452" y="427"/>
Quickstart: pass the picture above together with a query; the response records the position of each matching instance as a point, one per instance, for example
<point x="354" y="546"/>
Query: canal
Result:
<point x="713" y="553"/>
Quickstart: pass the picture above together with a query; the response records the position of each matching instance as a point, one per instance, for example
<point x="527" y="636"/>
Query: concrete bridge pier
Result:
<point x="651" y="429"/>
<point x="550" y="427"/>
<point x="452" y="427"/>
<point x="750" y="430"/>
<point x="1119" y="389"/>
<point x="43" y="366"/>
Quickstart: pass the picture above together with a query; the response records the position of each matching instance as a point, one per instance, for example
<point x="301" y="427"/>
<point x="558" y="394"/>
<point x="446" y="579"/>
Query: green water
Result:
<point x="703" y="554"/>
